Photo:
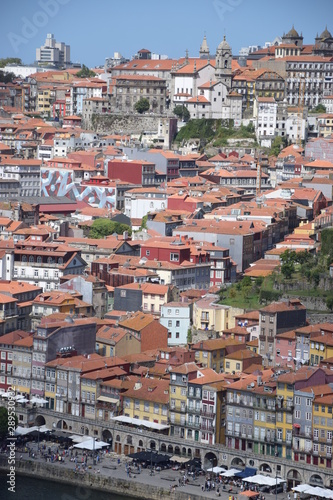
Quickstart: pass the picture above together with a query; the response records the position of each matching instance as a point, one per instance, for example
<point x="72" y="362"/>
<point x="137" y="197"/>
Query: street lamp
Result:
<point x="94" y="457"/>
<point x="151" y="461"/>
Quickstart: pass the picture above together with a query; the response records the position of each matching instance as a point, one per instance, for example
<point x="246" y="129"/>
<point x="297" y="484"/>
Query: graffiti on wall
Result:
<point x="61" y="183"/>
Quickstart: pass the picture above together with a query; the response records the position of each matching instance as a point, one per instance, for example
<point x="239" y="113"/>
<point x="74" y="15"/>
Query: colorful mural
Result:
<point x="61" y="183"/>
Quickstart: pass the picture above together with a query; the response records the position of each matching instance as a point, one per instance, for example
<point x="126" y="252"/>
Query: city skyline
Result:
<point x="94" y="35"/>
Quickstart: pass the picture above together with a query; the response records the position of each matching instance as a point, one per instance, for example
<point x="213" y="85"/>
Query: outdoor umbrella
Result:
<point x="250" y="494"/>
<point x="89" y="444"/>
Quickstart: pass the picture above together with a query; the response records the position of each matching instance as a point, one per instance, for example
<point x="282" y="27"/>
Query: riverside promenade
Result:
<point x="110" y="472"/>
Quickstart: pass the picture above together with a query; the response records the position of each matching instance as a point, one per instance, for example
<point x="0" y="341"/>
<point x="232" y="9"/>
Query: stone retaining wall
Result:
<point x="125" y="124"/>
<point x="97" y="482"/>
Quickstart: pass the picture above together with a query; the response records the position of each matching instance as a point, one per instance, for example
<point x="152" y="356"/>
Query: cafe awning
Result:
<point x="108" y="400"/>
<point x="137" y="421"/>
<point x="179" y="460"/>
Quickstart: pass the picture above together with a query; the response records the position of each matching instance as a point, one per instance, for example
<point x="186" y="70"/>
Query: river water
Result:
<point x="28" y="488"/>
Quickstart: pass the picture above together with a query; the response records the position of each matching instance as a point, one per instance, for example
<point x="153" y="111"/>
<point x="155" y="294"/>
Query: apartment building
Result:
<point x="53" y="53"/>
<point x="276" y="318"/>
<point x="7" y="342"/>
<point x="127" y="90"/>
<point x="43" y="264"/>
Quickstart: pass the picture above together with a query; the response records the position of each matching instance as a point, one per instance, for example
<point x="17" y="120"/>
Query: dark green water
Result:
<point x="28" y="488"/>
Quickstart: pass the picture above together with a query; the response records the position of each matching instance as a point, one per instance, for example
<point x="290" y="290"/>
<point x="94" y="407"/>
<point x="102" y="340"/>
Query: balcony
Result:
<point x="178" y="409"/>
<point x="194" y="409"/>
<point x="207" y="414"/>
<point x="207" y="428"/>
<point x="192" y="425"/>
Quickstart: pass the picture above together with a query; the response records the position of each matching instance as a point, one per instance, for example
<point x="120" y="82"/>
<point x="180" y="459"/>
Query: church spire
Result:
<point x="204" y="49"/>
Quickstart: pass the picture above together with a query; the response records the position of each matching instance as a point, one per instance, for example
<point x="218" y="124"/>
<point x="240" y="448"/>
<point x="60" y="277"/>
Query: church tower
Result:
<point x="223" y="71"/>
<point x="204" y="49"/>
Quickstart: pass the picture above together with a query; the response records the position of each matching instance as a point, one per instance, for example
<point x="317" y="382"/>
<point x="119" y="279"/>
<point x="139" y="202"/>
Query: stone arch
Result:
<point x="163" y="448"/>
<point x="39" y="420"/>
<point x="210" y="460"/>
<point x="129" y="439"/>
<point x="293" y="478"/>
<point x="183" y="450"/>
<point x="170" y="449"/>
<point x="236" y="461"/>
<point x="177" y="450"/>
<point x="189" y="452"/>
<point x="152" y="445"/>
<point x="118" y="438"/>
<point x="86" y="431"/>
<point x="140" y="443"/>
<point x="61" y="424"/>
<point x="316" y="480"/>
<point x="265" y="468"/>
<point x="107" y="436"/>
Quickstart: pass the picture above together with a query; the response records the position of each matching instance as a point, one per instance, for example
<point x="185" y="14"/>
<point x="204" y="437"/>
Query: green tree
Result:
<point x="101" y="228"/>
<point x="327" y="242"/>
<point x="144" y="222"/>
<point x="142" y="105"/>
<point x="6" y="77"/>
<point x="246" y="282"/>
<point x="10" y="60"/>
<point x="85" y="72"/>
<point x="287" y="269"/>
<point x="182" y="112"/>
<point x="189" y="336"/>
<point x="329" y="302"/>
<point x="4" y="422"/>
<point x="320" y="109"/>
<point x="276" y="147"/>
<point x="104" y="227"/>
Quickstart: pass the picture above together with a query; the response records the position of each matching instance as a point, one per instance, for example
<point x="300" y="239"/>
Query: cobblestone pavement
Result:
<point x="112" y="465"/>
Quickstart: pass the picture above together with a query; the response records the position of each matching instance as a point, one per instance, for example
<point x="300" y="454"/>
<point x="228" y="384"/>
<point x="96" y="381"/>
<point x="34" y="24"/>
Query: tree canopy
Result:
<point x="4" y="422"/>
<point x="104" y="227"/>
<point x="85" y="72"/>
<point x="277" y="145"/>
<point x="182" y="113"/>
<point x="10" y="60"/>
<point x="320" y="109"/>
<point x="6" y="77"/>
<point x="142" y="105"/>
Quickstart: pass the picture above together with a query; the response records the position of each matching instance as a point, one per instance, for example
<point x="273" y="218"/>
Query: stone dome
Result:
<point x="292" y="33"/>
<point x="325" y="34"/>
<point x="224" y="45"/>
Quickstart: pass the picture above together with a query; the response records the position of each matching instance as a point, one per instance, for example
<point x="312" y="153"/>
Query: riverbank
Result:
<point x="111" y="477"/>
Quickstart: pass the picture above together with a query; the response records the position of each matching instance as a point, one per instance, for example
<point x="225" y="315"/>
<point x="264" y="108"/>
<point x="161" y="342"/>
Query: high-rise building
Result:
<point x="53" y="53"/>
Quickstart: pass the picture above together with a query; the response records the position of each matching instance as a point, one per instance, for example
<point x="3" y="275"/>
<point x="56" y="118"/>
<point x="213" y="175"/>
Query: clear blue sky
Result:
<point x="96" y="29"/>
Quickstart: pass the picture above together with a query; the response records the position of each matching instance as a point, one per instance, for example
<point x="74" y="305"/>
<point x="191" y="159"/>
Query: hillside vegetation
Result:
<point x="216" y="132"/>
<point x="301" y="274"/>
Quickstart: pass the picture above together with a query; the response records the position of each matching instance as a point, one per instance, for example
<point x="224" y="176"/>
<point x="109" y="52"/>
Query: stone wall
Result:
<point x="124" y="124"/>
<point x="129" y="488"/>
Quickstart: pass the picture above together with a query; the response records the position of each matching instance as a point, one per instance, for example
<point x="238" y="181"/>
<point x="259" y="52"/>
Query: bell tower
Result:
<point x="223" y="71"/>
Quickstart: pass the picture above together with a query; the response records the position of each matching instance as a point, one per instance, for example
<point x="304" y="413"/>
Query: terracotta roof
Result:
<point x="12" y="337"/>
<point x="302" y="374"/>
<point x="137" y="321"/>
<point x="148" y="389"/>
<point x="215" y="344"/>
<point x="243" y="354"/>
